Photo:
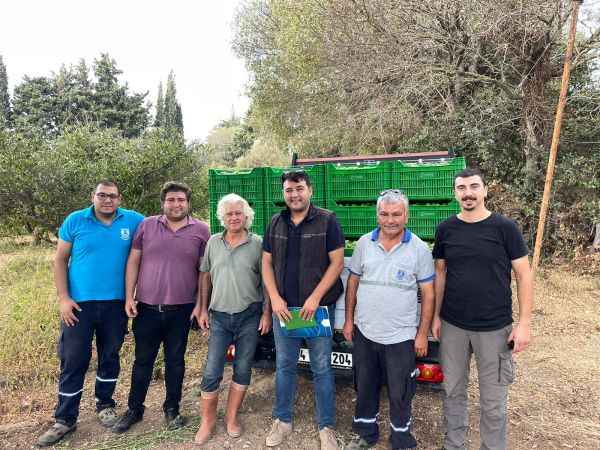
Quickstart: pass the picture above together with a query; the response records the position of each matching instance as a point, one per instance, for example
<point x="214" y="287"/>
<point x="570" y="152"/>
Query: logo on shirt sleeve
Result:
<point x="125" y="234"/>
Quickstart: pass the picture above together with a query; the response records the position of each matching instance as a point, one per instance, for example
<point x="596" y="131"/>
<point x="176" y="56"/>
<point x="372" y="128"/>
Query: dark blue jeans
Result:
<point x="241" y="330"/>
<point x="287" y="351"/>
<point x="108" y="321"/>
<point x="150" y="329"/>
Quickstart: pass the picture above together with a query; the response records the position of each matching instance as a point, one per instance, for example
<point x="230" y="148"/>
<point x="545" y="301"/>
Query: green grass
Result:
<point x="29" y="316"/>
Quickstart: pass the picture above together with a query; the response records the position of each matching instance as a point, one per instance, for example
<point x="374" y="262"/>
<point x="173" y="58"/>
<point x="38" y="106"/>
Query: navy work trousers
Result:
<point x="108" y="322"/>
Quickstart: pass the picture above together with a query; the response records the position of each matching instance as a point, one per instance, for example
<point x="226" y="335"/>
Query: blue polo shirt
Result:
<point x="99" y="253"/>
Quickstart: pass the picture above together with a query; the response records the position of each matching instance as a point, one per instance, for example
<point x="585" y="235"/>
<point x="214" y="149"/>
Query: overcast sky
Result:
<point x="147" y="39"/>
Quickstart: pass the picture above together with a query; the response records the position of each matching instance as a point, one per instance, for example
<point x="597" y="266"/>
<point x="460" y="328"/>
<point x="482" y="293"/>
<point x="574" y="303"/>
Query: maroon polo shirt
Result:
<point x="170" y="261"/>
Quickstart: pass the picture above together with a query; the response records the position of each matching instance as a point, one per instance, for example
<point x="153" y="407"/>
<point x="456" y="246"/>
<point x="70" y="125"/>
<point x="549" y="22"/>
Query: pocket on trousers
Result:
<point x="410" y="388"/>
<point x="506" y="368"/>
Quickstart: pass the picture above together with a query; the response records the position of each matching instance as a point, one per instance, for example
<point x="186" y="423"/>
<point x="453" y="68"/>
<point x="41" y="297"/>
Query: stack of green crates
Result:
<point x="349" y="190"/>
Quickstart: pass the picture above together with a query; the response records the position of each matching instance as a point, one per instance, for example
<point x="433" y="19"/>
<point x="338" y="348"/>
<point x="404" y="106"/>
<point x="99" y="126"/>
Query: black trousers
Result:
<point x="377" y="364"/>
<point x="150" y="329"/>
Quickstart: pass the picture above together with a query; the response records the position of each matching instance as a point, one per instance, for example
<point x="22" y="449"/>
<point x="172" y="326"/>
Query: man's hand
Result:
<point x="521" y="336"/>
<point x="436" y="327"/>
<point x="310" y="307"/>
<point x="348" y="330"/>
<point x="131" y="308"/>
<point x="421" y="344"/>
<point x="265" y="323"/>
<point x="66" y="307"/>
<point x="279" y="307"/>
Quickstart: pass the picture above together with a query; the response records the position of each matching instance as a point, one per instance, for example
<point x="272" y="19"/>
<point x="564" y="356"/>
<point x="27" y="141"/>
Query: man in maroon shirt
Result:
<point x="161" y="284"/>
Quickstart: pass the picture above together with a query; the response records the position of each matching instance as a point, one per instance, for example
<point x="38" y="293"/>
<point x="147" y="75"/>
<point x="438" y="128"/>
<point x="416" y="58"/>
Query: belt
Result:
<point x="161" y="308"/>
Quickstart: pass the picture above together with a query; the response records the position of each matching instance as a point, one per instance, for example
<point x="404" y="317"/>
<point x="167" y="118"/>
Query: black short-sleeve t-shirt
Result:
<point x="478" y="258"/>
<point x="334" y="240"/>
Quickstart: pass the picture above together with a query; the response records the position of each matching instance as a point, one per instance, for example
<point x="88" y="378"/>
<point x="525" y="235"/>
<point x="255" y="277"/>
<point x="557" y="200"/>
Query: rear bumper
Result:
<point x="264" y="358"/>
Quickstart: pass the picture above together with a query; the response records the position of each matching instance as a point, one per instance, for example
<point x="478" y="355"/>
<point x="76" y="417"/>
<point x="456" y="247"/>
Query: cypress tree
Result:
<point x="173" y="117"/>
<point x="159" y="120"/>
<point x="4" y="97"/>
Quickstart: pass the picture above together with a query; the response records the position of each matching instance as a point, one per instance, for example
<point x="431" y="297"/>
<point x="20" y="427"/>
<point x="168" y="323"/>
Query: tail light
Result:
<point x="430" y="373"/>
<point x="230" y="353"/>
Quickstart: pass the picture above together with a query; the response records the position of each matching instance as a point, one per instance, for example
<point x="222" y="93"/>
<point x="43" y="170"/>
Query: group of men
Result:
<point x="170" y="271"/>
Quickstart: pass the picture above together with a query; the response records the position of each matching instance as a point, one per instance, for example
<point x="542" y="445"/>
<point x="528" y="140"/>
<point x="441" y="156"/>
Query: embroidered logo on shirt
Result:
<point x="125" y="234"/>
<point x="401" y="275"/>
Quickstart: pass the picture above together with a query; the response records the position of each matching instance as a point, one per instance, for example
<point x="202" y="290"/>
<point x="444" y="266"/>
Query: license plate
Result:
<point x="338" y="359"/>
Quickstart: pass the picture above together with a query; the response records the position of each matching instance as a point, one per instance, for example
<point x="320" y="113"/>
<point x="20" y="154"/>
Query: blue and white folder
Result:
<point x="321" y="329"/>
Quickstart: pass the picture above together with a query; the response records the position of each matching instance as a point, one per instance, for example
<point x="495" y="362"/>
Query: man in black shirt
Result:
<point x="474" y="254"/>
<point x="303" y="256"/>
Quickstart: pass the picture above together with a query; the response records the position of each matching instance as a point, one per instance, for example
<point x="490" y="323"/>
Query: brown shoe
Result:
<point x="209" y="417"/>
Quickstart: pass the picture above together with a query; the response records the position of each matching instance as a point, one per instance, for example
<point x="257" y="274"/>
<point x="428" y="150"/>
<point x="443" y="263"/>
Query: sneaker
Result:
<point x="174" y="420"/>
<point x="358" y="443"/>
<point x="56" y="432"/>
<point x="328" y="441"/>
<point x="279" y="431"/>
<point x="107" y="417"/>
<point x="128" y="419"/>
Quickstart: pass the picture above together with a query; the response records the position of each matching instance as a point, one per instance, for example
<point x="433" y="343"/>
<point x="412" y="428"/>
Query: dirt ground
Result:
<point x="554" y="403"/>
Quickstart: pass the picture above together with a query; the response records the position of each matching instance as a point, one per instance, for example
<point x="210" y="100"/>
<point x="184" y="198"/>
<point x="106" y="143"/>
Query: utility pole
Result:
<point x="562" y="100"/>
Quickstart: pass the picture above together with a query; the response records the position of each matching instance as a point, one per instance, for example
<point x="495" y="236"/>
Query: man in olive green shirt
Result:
<point x="232" y="291"/>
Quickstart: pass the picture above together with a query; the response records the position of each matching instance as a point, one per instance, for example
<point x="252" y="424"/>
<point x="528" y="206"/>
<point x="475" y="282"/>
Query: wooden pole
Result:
<point x="562" y="100"/>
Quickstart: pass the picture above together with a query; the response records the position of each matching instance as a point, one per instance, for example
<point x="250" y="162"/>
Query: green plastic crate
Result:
<point x="248" y="183"/>
<point x="425" y="181"/>
<point x="422" y="220"/>
<point x="357" y="182"/>
<point x="258" y="224"/>
<point x="274" y="191"/>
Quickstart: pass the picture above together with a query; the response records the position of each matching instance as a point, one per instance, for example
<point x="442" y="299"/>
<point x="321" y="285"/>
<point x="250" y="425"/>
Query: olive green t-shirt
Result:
<point x="235" y="273"/>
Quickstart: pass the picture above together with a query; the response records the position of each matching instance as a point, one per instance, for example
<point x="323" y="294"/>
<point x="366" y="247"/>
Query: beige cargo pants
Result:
<point x="495" y="368"/>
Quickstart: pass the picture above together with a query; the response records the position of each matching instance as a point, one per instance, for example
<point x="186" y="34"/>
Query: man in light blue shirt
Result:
<point x="388" y="267"/>
<point x="89" y="273"/>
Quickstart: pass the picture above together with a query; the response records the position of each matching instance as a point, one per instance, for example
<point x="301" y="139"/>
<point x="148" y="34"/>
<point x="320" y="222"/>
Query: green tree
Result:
<point x="113" y="105"/>
<point x="173" y="118"/>
<point x="5" y="113"/>
<point x="159" y="118"/>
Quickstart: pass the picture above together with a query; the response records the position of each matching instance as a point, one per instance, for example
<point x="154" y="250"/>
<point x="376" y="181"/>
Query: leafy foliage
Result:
<point x="480" y="77"/>
<point x="42" y="179"/>
<point x="50" y="104"/>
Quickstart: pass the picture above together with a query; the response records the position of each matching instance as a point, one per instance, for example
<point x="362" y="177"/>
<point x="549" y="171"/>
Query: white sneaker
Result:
<point x="279" y="431"/>
<point x="328" y="441"/>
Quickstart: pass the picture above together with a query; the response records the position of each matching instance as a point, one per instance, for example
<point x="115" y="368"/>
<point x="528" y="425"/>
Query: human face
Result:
<point x="175" y="206"/>
<point x="392" y="218"/>
<point x="470" y="192"/>
<point x="234" y="217"/>
<point x="297" y="195"/>
<point x="106" y="200"/>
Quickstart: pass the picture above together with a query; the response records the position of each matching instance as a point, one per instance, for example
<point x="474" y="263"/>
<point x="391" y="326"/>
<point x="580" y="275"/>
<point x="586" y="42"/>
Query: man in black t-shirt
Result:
<point x="303" y="256"/>
<point x="474" y="254"/>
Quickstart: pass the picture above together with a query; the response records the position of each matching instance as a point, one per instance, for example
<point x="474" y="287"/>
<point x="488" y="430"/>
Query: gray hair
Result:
<point x="232" y="199"/>
<point x="392" y="196"/>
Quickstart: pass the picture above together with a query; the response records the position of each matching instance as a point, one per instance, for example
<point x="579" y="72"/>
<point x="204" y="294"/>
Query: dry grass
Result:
<point x="554" y="403"/>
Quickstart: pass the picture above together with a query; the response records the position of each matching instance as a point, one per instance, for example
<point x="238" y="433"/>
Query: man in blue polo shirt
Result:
<point x="89" y="273"/>
<point x="388" y="266"/>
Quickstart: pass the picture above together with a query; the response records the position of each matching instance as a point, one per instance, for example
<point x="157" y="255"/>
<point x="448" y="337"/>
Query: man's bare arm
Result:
<point x="61" y="268"/>
<point x="521" y="334"/>
<point x="351" y="290"/>
<point x="427" y="309"/>
<point x="439" y="286"/>
<point x="131" y="276"/>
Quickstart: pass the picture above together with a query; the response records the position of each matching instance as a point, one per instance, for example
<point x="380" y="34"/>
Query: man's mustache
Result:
<point x="468" y="198"/>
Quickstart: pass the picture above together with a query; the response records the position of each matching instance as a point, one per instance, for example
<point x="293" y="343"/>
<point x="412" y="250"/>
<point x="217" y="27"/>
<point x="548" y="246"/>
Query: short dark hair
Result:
<point x="470" y="172"/>
<point x="296" y="176"/>
<point x="175" y="186"/>
<point x="106" y="183"/>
